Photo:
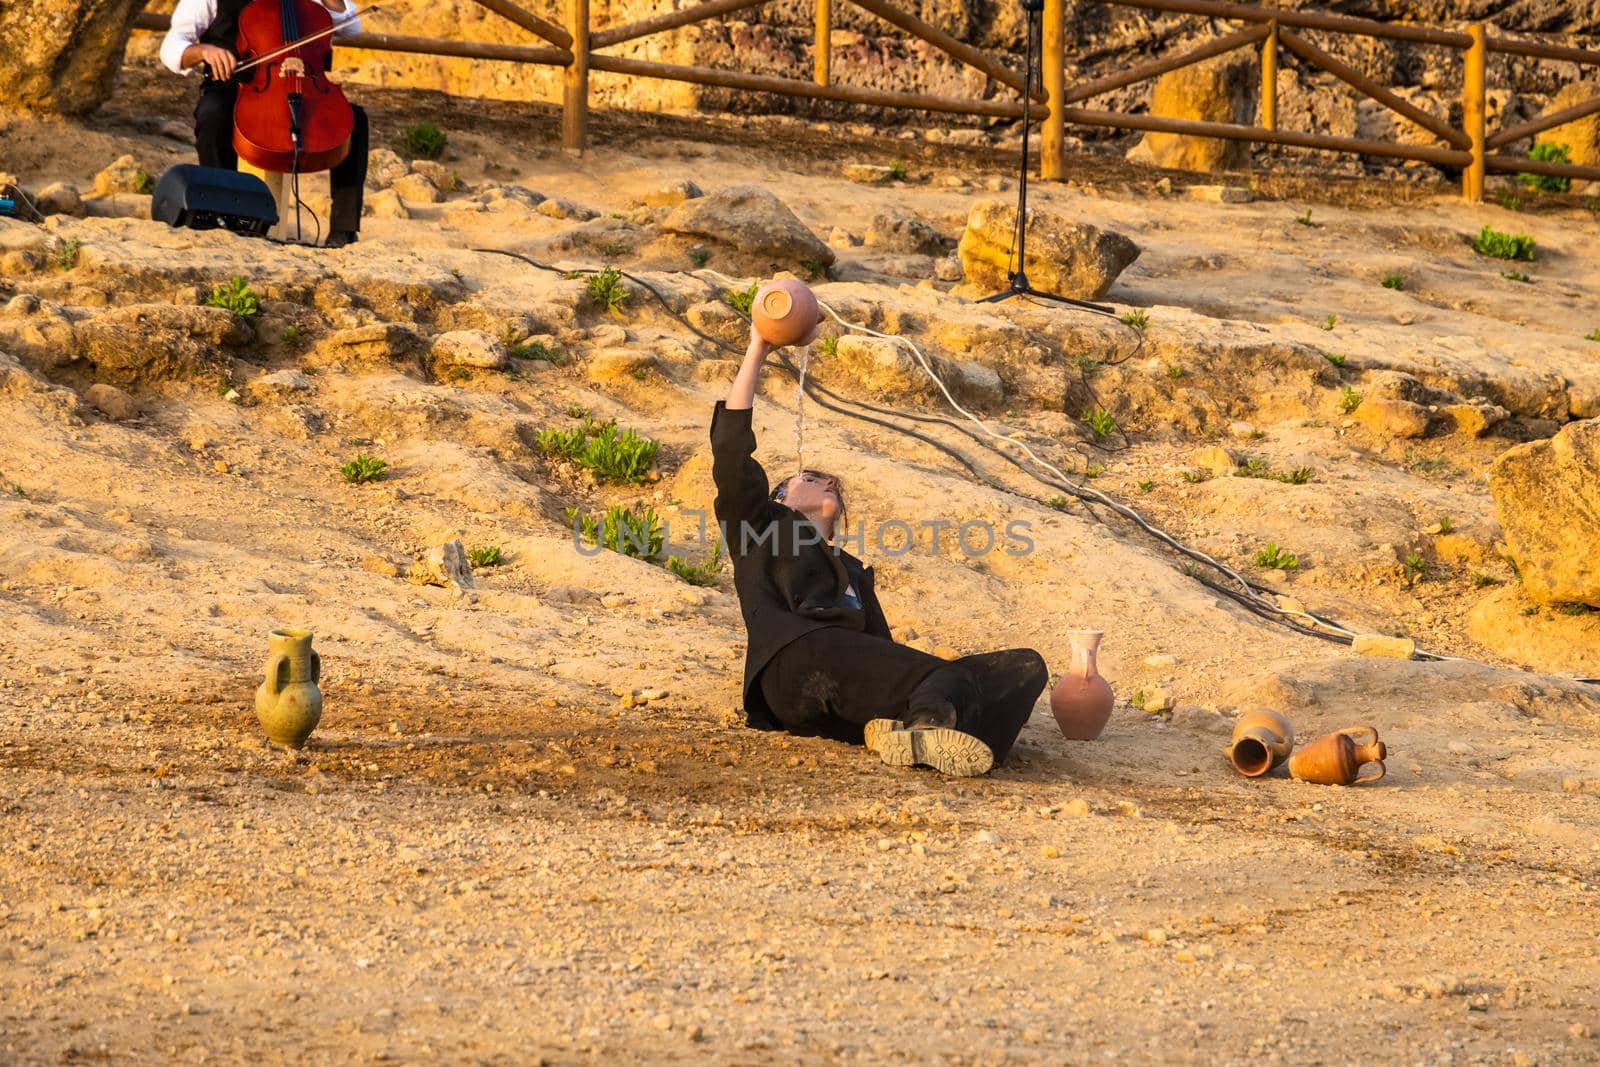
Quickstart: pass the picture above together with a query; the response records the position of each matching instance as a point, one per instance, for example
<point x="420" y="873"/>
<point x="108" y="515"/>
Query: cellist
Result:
<point x="205" y="32"/>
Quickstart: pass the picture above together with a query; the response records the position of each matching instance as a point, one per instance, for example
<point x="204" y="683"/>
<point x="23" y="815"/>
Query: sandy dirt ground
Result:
<point x="483" y="856"/>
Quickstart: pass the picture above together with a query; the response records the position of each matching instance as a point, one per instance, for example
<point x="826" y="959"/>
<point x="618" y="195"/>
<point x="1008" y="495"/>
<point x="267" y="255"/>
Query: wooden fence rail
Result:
<point x="578" y="48"/>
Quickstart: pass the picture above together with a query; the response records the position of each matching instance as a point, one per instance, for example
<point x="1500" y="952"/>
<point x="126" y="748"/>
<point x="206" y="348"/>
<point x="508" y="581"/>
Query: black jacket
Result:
<point x="789" y="582"/>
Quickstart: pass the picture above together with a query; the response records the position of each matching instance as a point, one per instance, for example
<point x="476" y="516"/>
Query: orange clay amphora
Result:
<point x="785" y="312"/>
<point x="1261" y="741"/>
<point x="1337" y="758"/>
<point x="1081" y="701"/>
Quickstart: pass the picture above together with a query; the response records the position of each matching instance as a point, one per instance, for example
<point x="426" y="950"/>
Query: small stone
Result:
<point x="620" y="364"/>
<point x="1240" y="428"/>
<point x="385" y="204"/>
<point x="111" y="402"/>
<point x="1385" y="646"/>
<point x="1161" y="660"/>
<point x="868" y="173"/>
<point x="1155" y="935"/>
<point x="1157" y="700"/>
<point x="417" y="189"/>
<point x="220" y="466"/>
<point x="1396" y="418"/>
<point x="445" y="565"/>
<point x="1578" y="1030"/>
<point x="122" y="176"/>
<point x="986" y="837"/>
<point x="662" y="1022"/>
<point x="59" y="198"/>
<point x="946" y="652"/>
<point x="948" y="269"/>
<point x="1050" y="852"/>
<point x="673" y="193"/>
<point x="839" y="237"/>
<point x="381" y="566"/>
<point x="1218" y="194"/>
<point x="609" y="335"/>
<point x="470" y="348"/>
<point x="1214" y="460"/>
<point x="565" y="209"/>
<point x="1077" y="808"/>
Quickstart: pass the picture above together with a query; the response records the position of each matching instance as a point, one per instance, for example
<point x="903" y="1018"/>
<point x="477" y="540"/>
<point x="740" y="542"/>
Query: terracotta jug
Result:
<point x="1261" y="741"/>
<point x="289" y="704"/>
<point x="1336" y="758"/>
<point x="785" y="312"/>
<point x="1081" y="701"/>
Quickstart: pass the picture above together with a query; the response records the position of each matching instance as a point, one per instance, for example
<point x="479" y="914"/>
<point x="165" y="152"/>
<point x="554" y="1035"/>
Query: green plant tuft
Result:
<point x="1446" y="524"/>
<point x="1547" y="152"/>
<point x="1059" y="503"/>
<point x="1138" y="318"/>
<point x="1330" y="322"/>
<point x="1349" y="399"/>
<point x="1515" y="276"/>
<point x="898" y="171"/>
<point x="1274" y="558"/>
<point x="1509" y="200"/>
<point x="699" y="257"/>
<point x="425" y="141"/>
<point x="67" y="258"/>
<point x="703" y="573"/>
<point x="1195" y="477"/>
<point x="290" y="334"/>
<point x="1174" y="371"/>
<point x="1393" y="280"/>
<point x="237" y="297"/>
<point x="828" y="346"/>
<point x="1592" y="335"/>
<point x="1336" y="358"/>
<point x="485" y="556"/>
<point x="143" y="184"/>
<point x="363" y="468"/>
<point x="1484" y="581"/>
<point x="1416" y="567"/>
<point x="1497" y="244"/>
<point x="1100" y="421"/>
<point x="743" y="299"/>
<point x="1145" y="487"/>
<point x="815" y="268"/>
<point x="639" y="534"/>
<point x="605" y="288"/>
<point x="1305" y="220"/>
<point x="1094" y="470"/>
<point x="620" y="458"/>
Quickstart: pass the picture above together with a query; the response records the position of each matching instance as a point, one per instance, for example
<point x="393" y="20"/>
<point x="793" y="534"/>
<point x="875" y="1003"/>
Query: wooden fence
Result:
<point x="578" y="48"/>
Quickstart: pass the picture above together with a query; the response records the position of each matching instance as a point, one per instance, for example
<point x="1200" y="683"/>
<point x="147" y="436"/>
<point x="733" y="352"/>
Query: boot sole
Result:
<point x="947" y="751"/>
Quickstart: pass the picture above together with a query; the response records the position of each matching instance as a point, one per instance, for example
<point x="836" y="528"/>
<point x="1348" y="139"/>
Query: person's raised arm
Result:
<point x="741" y="482"/>
<point x="742" y="393"/>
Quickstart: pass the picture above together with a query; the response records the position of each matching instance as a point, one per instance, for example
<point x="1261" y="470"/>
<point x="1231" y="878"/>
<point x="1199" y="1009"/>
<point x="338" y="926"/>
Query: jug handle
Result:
<point x="1354" y="732"/>
<point x="275" y="665"/>
<point x="1382" y="770"/>
<point x="316" y="669"/>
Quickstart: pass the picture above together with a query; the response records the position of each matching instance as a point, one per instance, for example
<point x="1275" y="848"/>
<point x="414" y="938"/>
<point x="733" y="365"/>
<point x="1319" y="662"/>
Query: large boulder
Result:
<point x="1224" y="89"/>
<point x="1547" y="498"/>
<point x="62" y="57"/>
<point x="1064" y="257"/>
<point x="1581" y="138"/>
<point x="748" y="220"/>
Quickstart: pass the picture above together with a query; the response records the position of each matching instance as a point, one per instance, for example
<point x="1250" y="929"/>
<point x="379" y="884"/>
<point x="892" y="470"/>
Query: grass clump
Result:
<point x="1138" y="318"/>
<point x="898" y="171"/>
<point x="363" y="468"/>
<point x="1174" y="371"/>
<point x="1415" y="566"/>
<point x="1145" y="487"/>
<point x="1330" y="322"/>
<point x="1515" y="276"/>
<point x="67" y="258"/>
<point x="1336" y="358"/>
<point x="1484" y="581"/>
<point x="703" y="573"/>
<point x="520" y="348"/>
<point x="1305" y="220"/>
<point x="1592" y="335"/>
<point x="606" y="290"/>
<point x="1094" y="470"/>
<point x="1394" y="280"/>
<point x="699" y="257"/>
<point x="237" y="297"/>
<point x="814" y="268"/>
<point x="1547" y="152"/>
<point x="1274" y="558"/>
<point x="290" y="334"/>
<point x="485" y="556"/>
<point x="143" y="184"/>
<point x="425" y="141"/>
<point x="1100" y="422"/>
<point x="1446" y="524"/>
<point x="743" y="300"/>
<point x="1509" y="200"/>
<point x="639" y="534"/>
<point x="621" y="458"/>
<point x="1195" y="477"/>
<point x="1059" y="503"/>
<point x="828" y="346"/>
<point x="1349" y="400"/>
<point x="1497" y="244"/>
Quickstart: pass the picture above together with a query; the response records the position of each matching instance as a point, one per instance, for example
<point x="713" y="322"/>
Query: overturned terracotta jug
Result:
<point x="785" y="312"/>
<point x="1337" y="758"/>
<point x="289" y="704"/>
<point x="1082" y="700"/>
<point x="1261" y="741"/>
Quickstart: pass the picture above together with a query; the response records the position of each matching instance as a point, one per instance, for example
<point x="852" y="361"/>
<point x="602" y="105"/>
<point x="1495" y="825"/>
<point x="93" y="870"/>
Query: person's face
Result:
<point x="815" y="495"/>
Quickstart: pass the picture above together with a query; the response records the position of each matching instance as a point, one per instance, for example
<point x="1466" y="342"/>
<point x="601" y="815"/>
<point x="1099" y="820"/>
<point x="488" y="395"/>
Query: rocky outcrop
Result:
<point x="1069" y="258"/>
<point x="1547" y="499"/>
<point x="1224" y="89"/>
<point x="1582" y="137"/>
<point x="749" y="222"/>
<point x="62" y="57"/>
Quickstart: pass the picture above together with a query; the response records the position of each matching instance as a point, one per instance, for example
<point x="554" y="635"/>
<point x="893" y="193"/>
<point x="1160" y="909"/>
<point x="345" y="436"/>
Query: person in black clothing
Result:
<point x="820" y="659"/>
<point x="203" y="35"/>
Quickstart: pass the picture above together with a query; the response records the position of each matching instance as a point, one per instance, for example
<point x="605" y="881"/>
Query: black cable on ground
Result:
<point x="824" y="398"/>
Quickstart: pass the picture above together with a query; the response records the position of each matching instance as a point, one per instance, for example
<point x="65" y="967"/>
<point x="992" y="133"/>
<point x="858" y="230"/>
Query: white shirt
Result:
<point x="193" y="17"/>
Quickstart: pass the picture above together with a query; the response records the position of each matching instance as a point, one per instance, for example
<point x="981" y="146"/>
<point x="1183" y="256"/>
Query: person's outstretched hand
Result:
<point x="742" y="393"/>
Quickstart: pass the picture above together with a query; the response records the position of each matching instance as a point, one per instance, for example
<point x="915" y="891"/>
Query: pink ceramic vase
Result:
<point x="1081" y="701"/>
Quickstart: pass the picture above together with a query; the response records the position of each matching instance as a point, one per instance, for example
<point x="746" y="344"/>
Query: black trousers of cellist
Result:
<point x="213" y="140"/>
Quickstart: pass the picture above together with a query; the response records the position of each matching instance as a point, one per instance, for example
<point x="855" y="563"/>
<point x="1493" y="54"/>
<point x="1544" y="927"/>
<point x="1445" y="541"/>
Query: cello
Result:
<point x="289" y="118"/>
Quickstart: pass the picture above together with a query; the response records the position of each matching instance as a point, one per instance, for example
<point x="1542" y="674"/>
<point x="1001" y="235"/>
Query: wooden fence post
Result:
<point x="1472" y="112"/>
<point x="575" y="82"/>
<point x="823" y="48"/>
<point x="1269" y="78"/>
<point x="1052" y="140"/>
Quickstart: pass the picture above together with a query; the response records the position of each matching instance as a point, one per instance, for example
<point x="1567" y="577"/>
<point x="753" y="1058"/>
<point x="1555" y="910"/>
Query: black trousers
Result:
<point x="833" y="681"/>
<point x="213" y="139"/>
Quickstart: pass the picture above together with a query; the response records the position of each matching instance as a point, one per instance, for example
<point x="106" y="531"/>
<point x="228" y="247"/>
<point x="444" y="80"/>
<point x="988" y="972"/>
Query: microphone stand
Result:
<point x="1017" y="277"/>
